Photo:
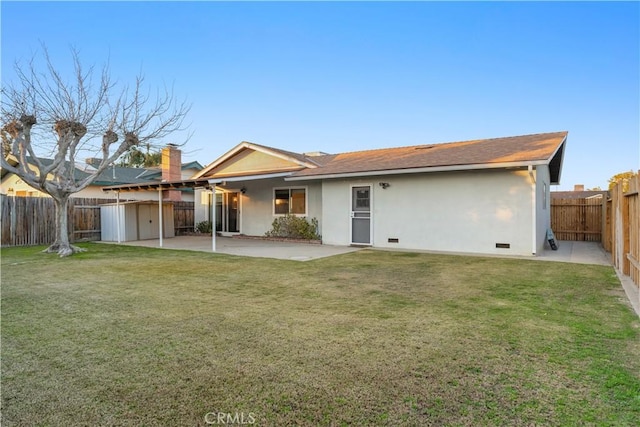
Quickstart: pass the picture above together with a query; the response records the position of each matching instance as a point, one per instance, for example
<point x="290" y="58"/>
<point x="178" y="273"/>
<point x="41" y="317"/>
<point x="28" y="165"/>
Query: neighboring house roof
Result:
<point x="192" y="165"/>
<point x="78" y="172"/>
<point x="578" y="194"/>
<point x="497" y="152"/>
<point x="113" y="175"/>
<point x="122" y="175"/>
<point x="156" y="171"/>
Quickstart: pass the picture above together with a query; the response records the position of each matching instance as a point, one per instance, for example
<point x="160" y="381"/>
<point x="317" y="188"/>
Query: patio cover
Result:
<point x="160" y="187"/>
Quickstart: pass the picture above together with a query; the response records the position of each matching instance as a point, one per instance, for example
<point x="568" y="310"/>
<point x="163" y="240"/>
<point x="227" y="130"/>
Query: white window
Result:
<point x="544" y="195"/>
<point x="290" y="201"/>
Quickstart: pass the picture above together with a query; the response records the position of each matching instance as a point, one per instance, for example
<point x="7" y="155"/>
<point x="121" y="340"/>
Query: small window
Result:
<point x="544" y="195"/>
<point x="281" y="202"/>
<point x="290" y="201"/>
<point x="361" y="199"/>
<point x="298" y="201"/>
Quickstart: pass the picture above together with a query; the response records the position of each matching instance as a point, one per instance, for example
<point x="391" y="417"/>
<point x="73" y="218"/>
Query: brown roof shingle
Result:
<point x="526" y="148"/>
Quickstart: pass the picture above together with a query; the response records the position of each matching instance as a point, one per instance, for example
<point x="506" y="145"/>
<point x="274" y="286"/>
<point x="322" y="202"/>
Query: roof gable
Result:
<point x="252" y="159"/>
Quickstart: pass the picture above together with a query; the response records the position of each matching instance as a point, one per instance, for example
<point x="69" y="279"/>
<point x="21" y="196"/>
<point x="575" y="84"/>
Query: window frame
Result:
<point x="290" y="189"/>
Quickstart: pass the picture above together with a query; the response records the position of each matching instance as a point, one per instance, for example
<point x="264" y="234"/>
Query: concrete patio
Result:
<point x="574" y="252"/>
<point x="295" y="251"/>
<point x="571" y="252"/>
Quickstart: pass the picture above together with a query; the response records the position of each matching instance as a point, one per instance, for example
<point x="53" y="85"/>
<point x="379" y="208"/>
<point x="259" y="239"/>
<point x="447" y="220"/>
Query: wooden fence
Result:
<point x="183" y="218"/>
<point x="578" y="219"/>
<point x="622" y="231"/>
<point x="28" y="221"/>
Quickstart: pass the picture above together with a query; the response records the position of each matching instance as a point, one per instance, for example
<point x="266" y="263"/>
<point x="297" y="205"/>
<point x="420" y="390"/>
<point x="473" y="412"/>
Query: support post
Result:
<point x="118" y="225"/>
<point x="160" y="214"/>
<point x="212" y="184"/>
<point x="213" y="219"/>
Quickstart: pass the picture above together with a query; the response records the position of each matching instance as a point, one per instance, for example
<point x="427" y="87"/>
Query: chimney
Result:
<point x="172" y="170"/>
<point x="578" y="187"/>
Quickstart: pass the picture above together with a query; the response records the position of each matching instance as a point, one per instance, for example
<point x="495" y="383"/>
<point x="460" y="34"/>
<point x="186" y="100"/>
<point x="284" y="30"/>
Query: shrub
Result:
<point x="204" y="227"/>
<point x="294" y="227"/>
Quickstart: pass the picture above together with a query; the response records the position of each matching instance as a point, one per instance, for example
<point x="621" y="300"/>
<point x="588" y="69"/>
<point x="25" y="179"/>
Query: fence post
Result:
<point x="625" y="234"/>
<point x="12" y="200"/>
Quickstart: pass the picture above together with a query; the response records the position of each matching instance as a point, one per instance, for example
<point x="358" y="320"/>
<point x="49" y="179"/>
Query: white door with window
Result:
<point x="361" y="224"/>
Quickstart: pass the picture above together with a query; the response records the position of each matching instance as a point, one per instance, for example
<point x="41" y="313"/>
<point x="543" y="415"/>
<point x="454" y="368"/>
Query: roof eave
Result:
<point x="218" y="180"/>
<point x="559" y="151"/>
<point x="156" y="186"/>
<point x="453" y="168"/>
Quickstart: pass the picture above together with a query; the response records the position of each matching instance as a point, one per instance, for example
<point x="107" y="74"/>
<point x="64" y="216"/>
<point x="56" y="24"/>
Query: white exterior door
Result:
<point x="361" y="215"/>
<point x="147" y="222"/>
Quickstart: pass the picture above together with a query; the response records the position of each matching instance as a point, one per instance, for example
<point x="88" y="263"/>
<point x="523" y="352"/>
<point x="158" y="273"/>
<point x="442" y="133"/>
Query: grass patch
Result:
<point x="121" y="335"/>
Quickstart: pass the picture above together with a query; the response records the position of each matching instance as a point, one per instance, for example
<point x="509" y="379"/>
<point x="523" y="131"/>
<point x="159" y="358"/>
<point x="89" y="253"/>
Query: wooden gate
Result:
<point x="578" y="219"/>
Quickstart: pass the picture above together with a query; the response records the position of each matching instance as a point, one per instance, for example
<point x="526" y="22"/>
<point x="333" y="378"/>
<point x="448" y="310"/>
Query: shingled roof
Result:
<point x="495" y="152"/>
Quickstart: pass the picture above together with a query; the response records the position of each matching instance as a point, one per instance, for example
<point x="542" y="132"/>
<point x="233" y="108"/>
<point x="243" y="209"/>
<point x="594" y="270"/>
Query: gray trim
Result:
<point x="419" y="170"/>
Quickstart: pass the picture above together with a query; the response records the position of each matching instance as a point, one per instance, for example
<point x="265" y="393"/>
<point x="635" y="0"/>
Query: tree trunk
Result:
<point x="61" y="245"/>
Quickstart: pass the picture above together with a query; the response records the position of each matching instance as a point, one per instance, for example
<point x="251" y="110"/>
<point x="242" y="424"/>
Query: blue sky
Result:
<point x="335" y="77"/>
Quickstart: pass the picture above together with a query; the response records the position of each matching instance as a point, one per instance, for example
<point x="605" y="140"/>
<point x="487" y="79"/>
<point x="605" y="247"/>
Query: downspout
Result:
<point x="534" y="237"/>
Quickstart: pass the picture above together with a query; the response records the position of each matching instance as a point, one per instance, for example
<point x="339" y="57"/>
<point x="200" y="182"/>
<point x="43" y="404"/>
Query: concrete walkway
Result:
<point x="577" y="253"/>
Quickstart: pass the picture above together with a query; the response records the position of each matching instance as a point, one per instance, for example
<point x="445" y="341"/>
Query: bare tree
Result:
<point x="46" y="117"/>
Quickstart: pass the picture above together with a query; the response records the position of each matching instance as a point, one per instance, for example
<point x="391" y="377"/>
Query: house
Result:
<point x="488" y="196"/>
<point x="12" y="185"/>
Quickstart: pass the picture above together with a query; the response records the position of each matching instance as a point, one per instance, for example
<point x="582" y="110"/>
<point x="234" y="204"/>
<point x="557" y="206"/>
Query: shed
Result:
<point x="136" y="220"/>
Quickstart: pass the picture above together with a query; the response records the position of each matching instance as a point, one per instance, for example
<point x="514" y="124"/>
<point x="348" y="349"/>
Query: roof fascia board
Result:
<point x="249" y="177"/>
<point x="419" y="170"/>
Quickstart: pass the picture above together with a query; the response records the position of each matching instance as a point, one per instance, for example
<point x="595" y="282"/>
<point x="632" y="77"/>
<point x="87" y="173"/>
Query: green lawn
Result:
<point x="130" y="336"/>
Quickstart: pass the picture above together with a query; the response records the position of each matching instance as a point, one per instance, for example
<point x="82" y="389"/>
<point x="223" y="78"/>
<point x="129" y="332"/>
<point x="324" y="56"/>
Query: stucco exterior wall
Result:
<point x="452" y="212"/>
<point x="256" y="205"/>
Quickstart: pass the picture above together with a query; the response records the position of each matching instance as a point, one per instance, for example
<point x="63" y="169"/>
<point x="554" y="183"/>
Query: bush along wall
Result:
<point x="204" y="227"/>
<point x="294" y="227"/>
